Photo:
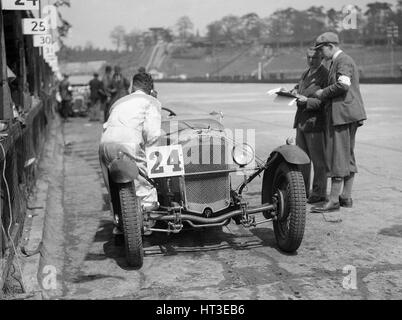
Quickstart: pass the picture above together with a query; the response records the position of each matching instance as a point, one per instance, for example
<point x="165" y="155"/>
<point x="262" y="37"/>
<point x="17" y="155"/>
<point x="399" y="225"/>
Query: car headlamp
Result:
<point x="243" y="154"/>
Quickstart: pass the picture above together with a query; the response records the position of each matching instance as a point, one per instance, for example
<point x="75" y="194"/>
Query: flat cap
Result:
<point x="325" y="38"/>
<point x="312" y="52"/>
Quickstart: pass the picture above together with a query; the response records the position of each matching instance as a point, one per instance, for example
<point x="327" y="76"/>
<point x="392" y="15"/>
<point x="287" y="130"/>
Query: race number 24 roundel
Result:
<point x="165" y="161"/>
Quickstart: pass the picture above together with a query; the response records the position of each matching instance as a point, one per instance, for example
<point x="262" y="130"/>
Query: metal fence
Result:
<point x="22" y="147"/>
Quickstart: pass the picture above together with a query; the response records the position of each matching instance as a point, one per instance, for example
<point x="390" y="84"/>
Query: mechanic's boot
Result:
<point x="327" y="207"/>
<point x="118" y="236"/>
<point x="315" y="199"/>
<point x="346" y="202"/>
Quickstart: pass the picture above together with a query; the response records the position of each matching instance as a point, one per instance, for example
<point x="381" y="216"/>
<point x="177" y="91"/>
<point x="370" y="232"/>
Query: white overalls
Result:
<point x="133" y="125"/>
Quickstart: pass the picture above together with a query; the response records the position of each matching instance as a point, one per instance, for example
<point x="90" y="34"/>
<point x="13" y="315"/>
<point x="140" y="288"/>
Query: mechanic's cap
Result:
<point x="326" y="38"/>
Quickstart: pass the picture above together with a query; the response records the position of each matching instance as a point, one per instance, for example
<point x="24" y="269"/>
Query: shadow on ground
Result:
<point x="188" y="241"/>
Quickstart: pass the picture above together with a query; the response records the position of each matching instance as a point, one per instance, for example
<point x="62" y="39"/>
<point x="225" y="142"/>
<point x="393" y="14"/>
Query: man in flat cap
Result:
<point x="310" y="121"/>
<point x="344" y="114"/>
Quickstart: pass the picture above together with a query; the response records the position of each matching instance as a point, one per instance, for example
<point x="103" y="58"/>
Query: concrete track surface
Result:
<point x="359" y="257"/>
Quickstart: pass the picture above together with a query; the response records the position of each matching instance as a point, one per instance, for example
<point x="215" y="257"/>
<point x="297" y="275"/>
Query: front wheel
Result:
<point x="289" y="192"/>
<point x="132" y="224"/>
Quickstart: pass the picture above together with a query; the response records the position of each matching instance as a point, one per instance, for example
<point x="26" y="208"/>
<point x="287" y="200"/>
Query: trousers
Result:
<point x="95" y="110"/>
<point x="313" y="143"/>
<point x="339" y="150"/>
<point x="145" y="191"/>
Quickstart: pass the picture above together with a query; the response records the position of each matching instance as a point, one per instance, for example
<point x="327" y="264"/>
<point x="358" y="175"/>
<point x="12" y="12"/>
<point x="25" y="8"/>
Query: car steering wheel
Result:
<point x="171" y="113"/>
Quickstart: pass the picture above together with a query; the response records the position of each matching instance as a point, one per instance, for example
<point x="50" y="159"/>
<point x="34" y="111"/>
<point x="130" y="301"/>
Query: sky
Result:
<point x="93" y="20"/>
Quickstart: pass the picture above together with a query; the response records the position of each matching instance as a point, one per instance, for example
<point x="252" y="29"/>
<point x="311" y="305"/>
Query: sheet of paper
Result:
<point x="284" y="100"/>
<point x="273" y="91"/>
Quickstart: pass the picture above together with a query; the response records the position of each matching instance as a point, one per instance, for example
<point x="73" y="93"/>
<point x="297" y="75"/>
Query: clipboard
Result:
<point x="286" y="94"/>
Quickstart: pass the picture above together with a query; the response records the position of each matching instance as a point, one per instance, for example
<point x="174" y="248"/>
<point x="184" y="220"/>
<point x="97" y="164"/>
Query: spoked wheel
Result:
<point x="131" y="219"/>
<point x="289" y="193"/>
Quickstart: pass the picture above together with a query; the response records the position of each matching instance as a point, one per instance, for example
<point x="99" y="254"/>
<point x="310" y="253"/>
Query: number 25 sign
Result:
<point x="20" y="4"/>
<point x="35" y="26"/>
<point x="165" y="161"/>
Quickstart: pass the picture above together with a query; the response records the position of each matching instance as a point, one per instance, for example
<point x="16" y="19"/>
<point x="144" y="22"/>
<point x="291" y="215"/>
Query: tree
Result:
<point x="302" y="27"/>
<point x="333" y="20"/>
<point x="252" y="26"/>
<point x="64" y="26"/>
<point x="378" y="16"/>
<point x="397" y="17"/>
<point x="280" y="25"/>
<point x="215" y="34"/>
<point x="89" y="46"/>
<point x="231" y="28"/>
<point x="132" y="40"/>
<point x="317" y="18"/>
<point x="117" y="35"/>
<point x="184" y="27"/>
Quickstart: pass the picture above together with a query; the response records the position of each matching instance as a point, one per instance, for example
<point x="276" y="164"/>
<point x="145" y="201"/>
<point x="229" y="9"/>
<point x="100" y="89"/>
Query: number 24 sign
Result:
<point x="165" y="161"/>
<point x="20" y="4"/>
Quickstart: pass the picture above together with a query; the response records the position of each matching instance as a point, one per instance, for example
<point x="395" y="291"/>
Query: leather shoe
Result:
<point x="327" y="207"/>
<point x="314" y="199"/>
<point x="346" y="202"/>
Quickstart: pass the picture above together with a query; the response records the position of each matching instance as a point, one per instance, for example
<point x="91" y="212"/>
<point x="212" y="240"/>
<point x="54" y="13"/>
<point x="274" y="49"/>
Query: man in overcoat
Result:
<point x="344" y="114"/>
<point x="310" y="122"/>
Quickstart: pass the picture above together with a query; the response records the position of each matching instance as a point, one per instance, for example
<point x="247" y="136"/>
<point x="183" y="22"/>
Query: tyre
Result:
<point x="289" y="189"/>
<point x="132" y="224"/>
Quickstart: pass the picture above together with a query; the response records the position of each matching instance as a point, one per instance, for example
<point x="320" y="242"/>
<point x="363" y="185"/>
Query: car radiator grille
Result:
<point x="207" y="190"/>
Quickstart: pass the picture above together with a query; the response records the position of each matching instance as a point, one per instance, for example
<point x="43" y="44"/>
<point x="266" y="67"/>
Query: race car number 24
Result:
<point x="165" y="161"/>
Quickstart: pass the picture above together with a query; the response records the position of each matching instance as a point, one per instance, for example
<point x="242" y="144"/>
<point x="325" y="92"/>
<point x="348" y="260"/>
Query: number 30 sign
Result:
<point x="166" y="161"/>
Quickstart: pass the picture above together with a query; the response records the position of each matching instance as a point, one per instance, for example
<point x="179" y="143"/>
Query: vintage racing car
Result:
<point x="191" y="170"/>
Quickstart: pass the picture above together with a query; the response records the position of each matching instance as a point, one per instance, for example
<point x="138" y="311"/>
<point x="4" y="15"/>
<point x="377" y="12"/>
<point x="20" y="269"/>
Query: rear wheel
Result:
<point x="132" y="224"/>
<point x="289" y="191"/>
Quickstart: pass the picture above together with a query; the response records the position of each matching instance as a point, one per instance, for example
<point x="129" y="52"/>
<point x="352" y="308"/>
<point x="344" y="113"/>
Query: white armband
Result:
<point x="344" y="80"/>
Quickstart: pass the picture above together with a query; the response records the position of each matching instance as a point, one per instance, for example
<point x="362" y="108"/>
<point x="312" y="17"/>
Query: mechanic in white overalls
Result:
<point x="133" y="125"/>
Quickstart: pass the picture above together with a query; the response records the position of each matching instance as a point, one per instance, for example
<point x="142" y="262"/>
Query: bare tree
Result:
<point x="215" y="34"/>
<point x="117" y="35"/>
<point x="132" y="40"/>
<point x="184" y="27"/>
<point x="378" y="15"/>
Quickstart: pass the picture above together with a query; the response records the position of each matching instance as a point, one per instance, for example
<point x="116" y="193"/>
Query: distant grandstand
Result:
<point x="241" y="63"/>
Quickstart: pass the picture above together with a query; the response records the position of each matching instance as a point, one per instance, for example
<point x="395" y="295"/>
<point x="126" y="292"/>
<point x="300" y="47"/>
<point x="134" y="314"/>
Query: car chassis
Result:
<point x="283" y="201"/>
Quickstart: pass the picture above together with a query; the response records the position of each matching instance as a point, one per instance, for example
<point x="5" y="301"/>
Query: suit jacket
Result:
<point x="310" y="116"/>
<point x="64" y="92"/>
<point x="95" y="87"/>
<point x="345" y="100"/>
